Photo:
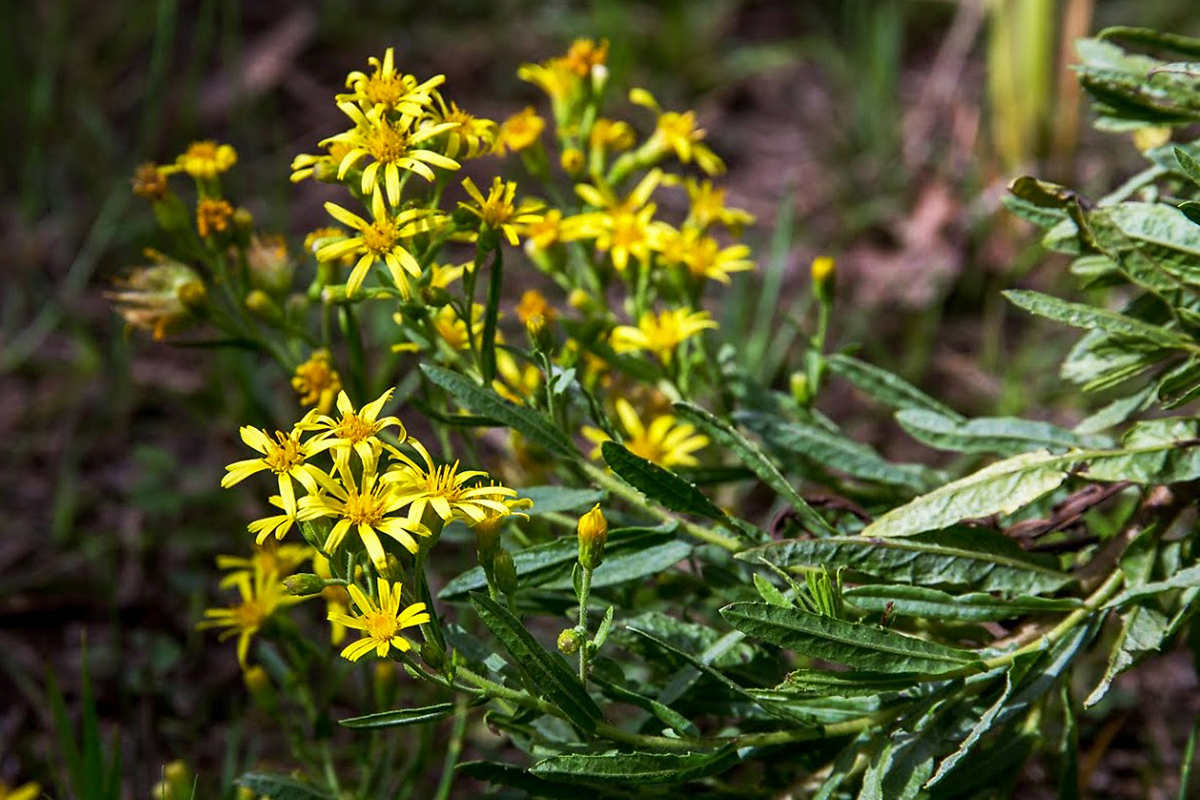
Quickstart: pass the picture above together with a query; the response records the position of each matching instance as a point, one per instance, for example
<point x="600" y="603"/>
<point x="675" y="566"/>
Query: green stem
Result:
<point x="358" y="358"/>
<point x="585" y="589"/>
<point x="453" y="749"/>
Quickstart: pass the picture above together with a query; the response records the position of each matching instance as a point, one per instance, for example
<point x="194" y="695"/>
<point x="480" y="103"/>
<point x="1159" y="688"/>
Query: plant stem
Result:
<point x="585" y="589"/>
<point x="453" y="749"/>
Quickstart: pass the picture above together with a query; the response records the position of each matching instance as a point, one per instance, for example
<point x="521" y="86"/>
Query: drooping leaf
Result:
<point x="885" y="387"/>
<point x="1000" y="488"/>
<point x="981" y="727"/>
<point x="636" y="767"/>
<point x="658" y="484"/>
<point x="922" y="601"/>
<point x="548" y="672"/>
<point x="835" y="451"/>
<point x="976" y="558"/>
<point x="1152" y="452"/>
<point x="854" y="644"/>
<point x="750" y="455"/>
<point x="1143" y="630"/>
<point x="1000" y="435"/>
<point x="399" y="717"/>
<point x="1183" y="579"/>
<point x="535" y="427"/>
<point x="280" y="787"/>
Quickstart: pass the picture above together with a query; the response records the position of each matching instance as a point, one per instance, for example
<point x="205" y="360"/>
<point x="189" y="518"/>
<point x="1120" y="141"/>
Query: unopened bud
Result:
<point x="569" y="641"/>
<point x="260" y="304"/>
<point x="506" y="572"/>
<point x="593" y="533"/>
<point x="572" y="161"/>
<point x="270" y="268"/>
<point x="801" y="391"/>
<point x="303" y="584"/>
<point x="823" y="273"/>
<point x="540" y="334"/>
<point x="258" y="683"/>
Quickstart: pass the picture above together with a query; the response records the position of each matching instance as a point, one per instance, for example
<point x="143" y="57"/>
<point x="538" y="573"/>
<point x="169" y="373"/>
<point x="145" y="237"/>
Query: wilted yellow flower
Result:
<point x="662" y="333"/>
<point x="261" y="596"/>
<point x="665" y="441"/>
<point x="317" y="382"/>
<point x="520" y="131"/>
<point x="212" y="215"/>
<point x="159" y="297"/>
<point x="206" y="160"/>
<point x="380" y="623"/>
<point x="149" y="181"/>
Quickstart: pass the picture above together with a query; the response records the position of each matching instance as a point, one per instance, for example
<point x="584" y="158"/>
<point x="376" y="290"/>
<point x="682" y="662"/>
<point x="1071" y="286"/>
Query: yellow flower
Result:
<point x="390" y="146"/>
<point x="365" y="505"/>
<point x="392" y="90"/>
<point x="662" y="333"/>
<point x="356" y="430"/>
<point x="379" y="239"/>
<point x="206" y="160"/>
<point x="159" y="297"/>
<point x="472" y="136"/>
<point x="27" y="791"/>
<point x="703" y="255"/>
<point x="665" y="441"/>
<point x="533" y="303"/>
<point x="554" y="77"/>
<point x="261" y="596"/>
<point x="453" y="329"/>
<point x="322" y="167"/>
<point x="520" y="131"/>
<point x="612" y="134"/>
<point x="285" y="456"/>
<point x="677" y="133"/>
<point x="281" y="559"/>
<point x="443" y="489"/>
<point x="544" y="233"/>
<point x="316" y="381"/>
<point x="381" y="624"/>
<point x="212" y="216"/>
<point x="516" y="382"/>
<point x="624" y="228"/>
<point x="708" y="207"/>
<point x="592" y="530"/>
<point x="584" y="55"/>
<point x="497" y="211"/>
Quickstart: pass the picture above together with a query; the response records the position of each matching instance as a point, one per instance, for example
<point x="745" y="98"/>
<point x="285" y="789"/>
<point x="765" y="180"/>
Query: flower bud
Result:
<point x="569" y="641"/>
<point x="258" y="683"/>
<point x="572" y="161"/>
<point x="270" y="267"/>
<point x="593" y="533"/>
<point x="801" y="391"/>
<point x="260" y="304"/>
<point x="303" y="584"/>
<point x="823" y="274"/>
<point x="506" y="572"/>
<point x="540" y="334"/>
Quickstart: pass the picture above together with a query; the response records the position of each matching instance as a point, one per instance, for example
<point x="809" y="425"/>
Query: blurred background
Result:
<point x="881" y="132"/>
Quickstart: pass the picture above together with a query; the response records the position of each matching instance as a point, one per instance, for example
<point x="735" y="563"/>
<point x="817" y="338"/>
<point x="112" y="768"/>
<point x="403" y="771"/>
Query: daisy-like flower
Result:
<point x="281" y="559"/>
<point x="534" y="303"/>
<point x="519" y="131"/>
<point x="545" y="233"/>
<point x="487" y="529"/>
<point x="665" y="441"/>
<point x="708" y="207"/>
<point x="206" y="160"/>
<point x="443" y="489"/>
<point x="317" y="382"/>
<point x="497" y="210"/>
<point x="367" y="505"/>
<point x="286" y="456"/>
<point x="662" y="333"/>
<point x="381" y="238"/>
<point x="356" y="431"/>
<point x="390" y="144"/>
<point x="322" y="167"/>
<point x="471" y="136"/>
<point x="380" y="623"/>
<point x="677" y="133"/>
<point x="703" y="256"/>
<point x="624" y="228"/>
<point x="388" y="88"/>
<point x="261" y="596"/>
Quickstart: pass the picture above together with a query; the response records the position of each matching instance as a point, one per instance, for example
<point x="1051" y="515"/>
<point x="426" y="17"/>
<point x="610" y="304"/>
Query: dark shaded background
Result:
<point x="876" y="111"/>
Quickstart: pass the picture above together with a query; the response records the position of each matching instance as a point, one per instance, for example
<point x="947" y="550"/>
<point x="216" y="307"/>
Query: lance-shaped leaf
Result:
<point x="636" y="767"/>
<point x="629" y="563"/>
<point x="921" y="601"/>
<point x="832" y="450"/>
<point x="403" y="716"/>
<point x="482" y="400"/>
<point x="1183" y="579"/>
<point x="678" y="722"/>
<point x="978" y="558"/>
<point x="851" y="643"/>
<point x="1002" y="435"/>
<point x="548" y="673"/>
<point x="1001" y="488"/>
<point x="828" y="683"/>
<point x="885" y="387"/>
<point x="1154" y="451"/>
<point x="658" y="484"/>
<point x="520" y="778"/>
<point x="984" y="724"/>
<point x="559" y="499"/>
<point x="752" y="457"/>
<point x="1079" y="315"/>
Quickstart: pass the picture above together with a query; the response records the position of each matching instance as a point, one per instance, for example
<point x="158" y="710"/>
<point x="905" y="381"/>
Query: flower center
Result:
<point x="379" y="237"/>
<point x="284" y="454"/>
<point x="363" y="508"/>
<point x="386" y="144"/>
<point x="354" y="428"/>
<point x="384" y="89"/>
<point x="250" y="615"/>
<point x="443" y="481"/>
<point x="381" y="627"/>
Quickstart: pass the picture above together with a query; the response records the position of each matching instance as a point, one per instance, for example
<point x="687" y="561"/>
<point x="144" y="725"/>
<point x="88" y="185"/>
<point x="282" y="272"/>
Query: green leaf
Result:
<point x="1143" y="631"/>
<point x="1184" y="579"/>
<point x="822" y="682"/>
<point x="548" y="673"/>
<point x="658" y="484"/>
<point x="636" y="767"/>
<point x="749" y="454"/>
<point x="921" y="601"/>
<point x="985" y="723"/>
<point x="403" y="716"/>
<point x="833" y="450"/>
<point x="977" y="558"/>
<point x="534" y="426"/>
<point x="885" y="387"/>
<point x="1002" y="435"/>
<point x="1152" y="452"/>
<point x="520" y="778"/>
<point x="1000" y="488"/>
<point x="769" y="592"/>
<point x="280" y="787"/>
<point x="559" y="499"/>
<point x="1189" y="165"/>
<point x="854" y="644"/>
<point x="676" y="721"/>
<point x="1042" y="193"/>
<point x="629" y="564"/>
<point x="683" y="635"/>
<point x="1175" y="42"/>
<point x="1079" y="315"/>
